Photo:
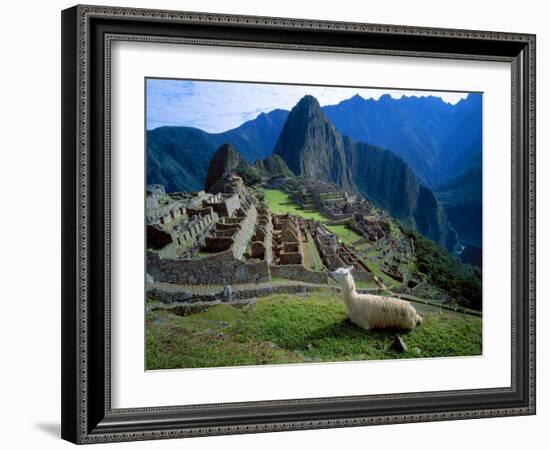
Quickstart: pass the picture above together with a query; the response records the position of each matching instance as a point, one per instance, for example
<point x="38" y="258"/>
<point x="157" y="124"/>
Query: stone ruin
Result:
<point x="336" y="254"/>
<point x="226" y="236"/>
<point x="371" y="227"/>
<point x="203" y="238"/>
<point x="287" y="240"/>
<point x="177" y="222"/>
<point x="261" y="244"/>
<point x="154" y="193"/>
<point x="327" y="198"/>
<point x="232" y="232"/>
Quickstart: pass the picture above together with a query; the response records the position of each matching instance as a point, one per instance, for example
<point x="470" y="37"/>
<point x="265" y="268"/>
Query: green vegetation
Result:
<point x="312" y="260"/>
<point x="296" y="329"/>
<point x="346" y="235"/>
<point x="249" y="176"/>
<point x="281" y="280"/>
<point x="359" y="284"/>
<point x="388" y="281"/>
<point x="279" y="202"/>
<point x="461" y="281"/>
<point x="395" y="232"/>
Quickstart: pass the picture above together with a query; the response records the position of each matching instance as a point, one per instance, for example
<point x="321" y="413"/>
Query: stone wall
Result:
<point x="187" y="233"/>
<point x="171" y="297"/>
<point x="245" y="233"/>
<point x="221" y="268"/>
<point x="225" y="206"/>
<point x="334" y="214"/>
<point x="290" y="258"/>
<point x="299" y="273"/>
<point x="262" y="241"/>
<point x="151" y="202"/>
<point x="362" y="275"/>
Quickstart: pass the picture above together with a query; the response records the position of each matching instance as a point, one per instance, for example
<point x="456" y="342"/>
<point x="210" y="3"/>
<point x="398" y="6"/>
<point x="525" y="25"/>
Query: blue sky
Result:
<point x="215" y="106"/>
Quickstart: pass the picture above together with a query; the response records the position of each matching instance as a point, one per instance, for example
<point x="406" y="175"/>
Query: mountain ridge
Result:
<point x="433" y="154"/>
<point x="433" y="136"/>
<point x="312" y="147"/>
<point x="178" y="157"/>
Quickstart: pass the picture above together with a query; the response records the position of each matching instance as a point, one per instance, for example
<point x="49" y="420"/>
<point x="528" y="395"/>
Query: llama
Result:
<point x="374" y="311"/>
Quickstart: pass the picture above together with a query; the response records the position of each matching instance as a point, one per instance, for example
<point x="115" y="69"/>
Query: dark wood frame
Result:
<point x="87" y="32"/>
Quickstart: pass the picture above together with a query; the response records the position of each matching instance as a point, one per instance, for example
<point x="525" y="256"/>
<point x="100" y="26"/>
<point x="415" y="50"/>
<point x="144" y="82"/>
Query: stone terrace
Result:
<point x="328" y="198"/>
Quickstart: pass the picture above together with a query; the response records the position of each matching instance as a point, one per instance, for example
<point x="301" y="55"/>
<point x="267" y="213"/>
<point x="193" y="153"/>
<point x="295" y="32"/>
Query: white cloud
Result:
<point x="219" y="106"/>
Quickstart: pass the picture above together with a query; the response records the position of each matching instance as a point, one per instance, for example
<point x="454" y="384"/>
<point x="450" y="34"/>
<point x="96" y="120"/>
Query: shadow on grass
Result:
<point x="348" y="332"/>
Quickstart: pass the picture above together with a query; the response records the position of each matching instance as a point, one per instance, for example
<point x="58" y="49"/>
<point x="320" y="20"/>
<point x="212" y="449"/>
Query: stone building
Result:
<point x="208" y="243"/>
<point x="335" y="254"/>
<point x="287" y="240"/>
<point x="371" y="227"/>
<point x="176" y="222"/>
<point x="261" y="246"/>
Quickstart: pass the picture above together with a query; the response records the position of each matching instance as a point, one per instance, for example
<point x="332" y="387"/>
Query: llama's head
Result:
<point x="341" y="274"/>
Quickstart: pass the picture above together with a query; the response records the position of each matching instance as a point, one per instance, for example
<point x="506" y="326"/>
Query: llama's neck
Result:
<point x="348" y="290"/>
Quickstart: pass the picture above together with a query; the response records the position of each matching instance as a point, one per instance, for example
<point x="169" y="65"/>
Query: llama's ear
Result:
<point x="350" y="268"/>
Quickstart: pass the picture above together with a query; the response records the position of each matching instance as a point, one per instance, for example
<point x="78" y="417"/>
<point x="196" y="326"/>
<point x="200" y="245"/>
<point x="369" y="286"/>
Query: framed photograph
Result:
<point x="280" y="224"/>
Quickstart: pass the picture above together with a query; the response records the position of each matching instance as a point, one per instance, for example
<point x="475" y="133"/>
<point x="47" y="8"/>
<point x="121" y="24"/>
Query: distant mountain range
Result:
<point x="438" y="149"/>
<point x="178" y="157"/>
<point x="436" y="139"/>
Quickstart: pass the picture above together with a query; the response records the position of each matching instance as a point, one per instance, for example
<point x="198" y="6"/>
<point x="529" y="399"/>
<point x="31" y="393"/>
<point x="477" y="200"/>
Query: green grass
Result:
<point x="276" y="280"/>
<point x="388" y="281"/>
<point x="373" y="252"/>
<point x="346" y="235"/>
<point x="395" y="232"/>
<point x="295" y="329"/>
<point x="312" y="260"/>
<point x="279" y="202"/>
<point x="366" y="284"/>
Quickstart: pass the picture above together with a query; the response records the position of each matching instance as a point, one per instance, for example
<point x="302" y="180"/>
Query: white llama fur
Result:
<point x="374" y="311"/>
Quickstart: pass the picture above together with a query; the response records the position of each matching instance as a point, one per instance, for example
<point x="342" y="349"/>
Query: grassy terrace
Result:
<point x="284" y="329"/>
<point x="346" y="235"/>
<point x="312" y="260"/>
<point x="279" y="202"/>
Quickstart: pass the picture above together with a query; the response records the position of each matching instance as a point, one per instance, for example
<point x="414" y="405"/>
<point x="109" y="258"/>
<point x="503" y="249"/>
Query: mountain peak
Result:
<point x="225" y="160"/>
<point x="227" y="151"/>
<point x="307" y="103"/>
<point x="308" y="100"/>
<point x="311" y="146"/>
<point x="385" y="98"/>
<point x="307" y="110"/>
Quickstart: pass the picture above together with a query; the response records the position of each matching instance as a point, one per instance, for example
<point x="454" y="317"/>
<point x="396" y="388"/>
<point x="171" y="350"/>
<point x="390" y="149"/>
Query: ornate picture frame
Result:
<point x="88" y="33"/>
